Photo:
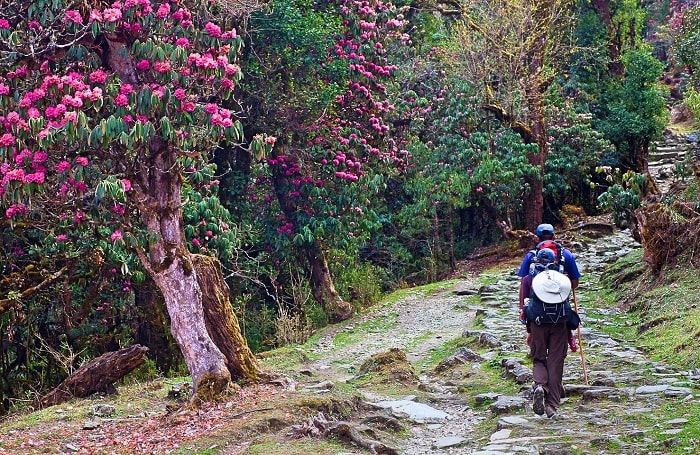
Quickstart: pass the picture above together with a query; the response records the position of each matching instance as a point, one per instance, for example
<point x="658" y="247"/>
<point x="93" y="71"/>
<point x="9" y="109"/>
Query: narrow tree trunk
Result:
<point x="320" y="280"/>
<point x="534" y="92"/>
<point x="322" y="286"/>
<point x="221" y="321"/>
<point x="602" y="8"/>
<point x="154" y="326"/>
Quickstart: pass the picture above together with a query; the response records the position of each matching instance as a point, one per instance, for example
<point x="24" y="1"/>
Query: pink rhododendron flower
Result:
<point x="81" y="160"/>
<point x="163" y="11"/>
<point x="116" y="235"/>
<point x="63" y="166"/>
<point x="15" y="174"/>
<point x="61" y="238"/>
<point x="161" y="67"/>
<point x="118" y="209"/>
<point x="37" y="177"/>
<point x="40" y="157"/>
<point x="112" y="14"/>
<point x="16" y="209"/>
<point x="4" y="89"/>
<point x="227" y="84"/>
<point x="126" y="89"/>
<point x="188" y="106"/>
<point x="180" y="93"/>
<point x="143" y="65"/>
<point x="213" y="29"/>
<point x="12" y="117"/>
<point x="4" y="23"/>
<point x="25" y="154"/>
<point x="98" y="77"/>
<point x="74" y="16"/>
<point x="126" y="184"/>
<point x="6" y="140"/>
<point x="121" y="100"/>
<point x="182" y="42"/>
<point x="95" y="16"/>
<point x="79" y="217"/>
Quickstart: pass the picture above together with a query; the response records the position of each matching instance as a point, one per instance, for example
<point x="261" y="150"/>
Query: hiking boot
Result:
<point x="550" y="411"/>
<point x="538" y="400"/>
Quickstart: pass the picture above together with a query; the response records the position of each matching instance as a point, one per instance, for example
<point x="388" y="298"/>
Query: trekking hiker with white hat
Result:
<point x="544" y="304"/>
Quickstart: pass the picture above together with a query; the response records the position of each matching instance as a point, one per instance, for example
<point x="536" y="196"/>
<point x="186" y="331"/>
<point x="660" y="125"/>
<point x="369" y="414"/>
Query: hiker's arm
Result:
<point x="574" y="283"/>
<point x="521" y="293"/>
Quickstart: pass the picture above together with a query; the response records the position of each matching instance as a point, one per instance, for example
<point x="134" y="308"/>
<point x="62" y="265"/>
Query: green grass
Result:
<point x="298" y="447"/>
<point x="440" y="353"/>
<point x="374" y="325"/>
<point x="659" y="314"/>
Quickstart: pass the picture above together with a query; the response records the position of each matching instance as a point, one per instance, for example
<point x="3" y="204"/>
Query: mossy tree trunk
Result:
<point x="221" y="321"/>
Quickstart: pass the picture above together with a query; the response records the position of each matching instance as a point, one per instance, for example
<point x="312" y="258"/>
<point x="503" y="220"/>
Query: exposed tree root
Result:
<point x="319" y="426"/>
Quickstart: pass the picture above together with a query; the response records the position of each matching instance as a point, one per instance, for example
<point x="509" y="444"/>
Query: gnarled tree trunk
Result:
<point x="322" y="286"/>
<point x="171" y="266"/>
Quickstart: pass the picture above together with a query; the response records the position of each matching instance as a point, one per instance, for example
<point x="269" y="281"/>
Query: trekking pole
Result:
<point x="580" y="342"/>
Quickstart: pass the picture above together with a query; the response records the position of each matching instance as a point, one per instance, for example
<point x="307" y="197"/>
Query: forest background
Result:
<point x="215" y="179"/>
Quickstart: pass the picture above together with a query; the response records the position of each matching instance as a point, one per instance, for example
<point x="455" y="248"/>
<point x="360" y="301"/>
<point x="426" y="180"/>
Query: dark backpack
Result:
<point x="540" y="312"/>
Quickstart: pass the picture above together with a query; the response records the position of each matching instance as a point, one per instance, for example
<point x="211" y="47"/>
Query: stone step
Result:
<point x="675" y="156"/>
<point x="671" y="148"/>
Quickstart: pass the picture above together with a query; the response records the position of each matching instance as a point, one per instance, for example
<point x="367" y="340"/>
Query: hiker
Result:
<point x="566" y="263"/>
<point x="548" y="315"/>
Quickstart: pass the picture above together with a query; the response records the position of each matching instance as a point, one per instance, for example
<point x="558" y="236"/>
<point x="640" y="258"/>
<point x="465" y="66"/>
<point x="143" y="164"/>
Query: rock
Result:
<point x="418" y="412"/>
<point x="449" y="441"/>
<point x="103" y="410"/>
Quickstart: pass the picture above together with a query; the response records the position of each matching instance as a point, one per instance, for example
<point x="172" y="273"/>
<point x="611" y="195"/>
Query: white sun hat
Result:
<point x="551" y="286"/>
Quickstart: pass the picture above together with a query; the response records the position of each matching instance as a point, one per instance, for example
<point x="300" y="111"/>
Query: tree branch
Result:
<point x="6" y="304"/>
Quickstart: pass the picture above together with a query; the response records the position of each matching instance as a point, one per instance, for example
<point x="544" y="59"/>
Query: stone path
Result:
<point x="594" y="419"/>
<point x="604" y="417"/>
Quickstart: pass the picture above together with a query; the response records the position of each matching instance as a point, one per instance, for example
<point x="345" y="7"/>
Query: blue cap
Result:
<point x="546" y="256"/>
<point x="544" y="229"/>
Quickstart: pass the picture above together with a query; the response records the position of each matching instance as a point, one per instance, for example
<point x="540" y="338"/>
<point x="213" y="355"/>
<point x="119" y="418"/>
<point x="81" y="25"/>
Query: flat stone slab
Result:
<point x="417" y="412"/>
<point x="449" y="441"/>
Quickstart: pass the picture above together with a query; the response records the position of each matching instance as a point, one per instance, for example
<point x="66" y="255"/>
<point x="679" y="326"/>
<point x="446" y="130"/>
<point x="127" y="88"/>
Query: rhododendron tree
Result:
<point x="331" y="129"/>
<point x="100" y="103"/>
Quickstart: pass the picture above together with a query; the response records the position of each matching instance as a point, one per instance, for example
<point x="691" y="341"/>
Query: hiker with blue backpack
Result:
<point x="548" y="273"/>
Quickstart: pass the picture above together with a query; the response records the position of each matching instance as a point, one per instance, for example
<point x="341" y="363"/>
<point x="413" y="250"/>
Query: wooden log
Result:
<point x="96" y="376"/>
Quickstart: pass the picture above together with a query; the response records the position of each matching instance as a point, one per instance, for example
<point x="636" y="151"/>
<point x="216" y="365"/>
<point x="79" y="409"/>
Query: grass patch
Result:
<point x="285" y="359"/>
<point x="375" y="325"/>
<point x="659" y="314"/>
<point x="297" y="447"/>
<point x="440" y="353"/>
<point x="659" y="418"/>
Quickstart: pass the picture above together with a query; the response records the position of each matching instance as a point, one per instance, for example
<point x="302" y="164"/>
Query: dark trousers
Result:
<point x="548" y="348"/>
